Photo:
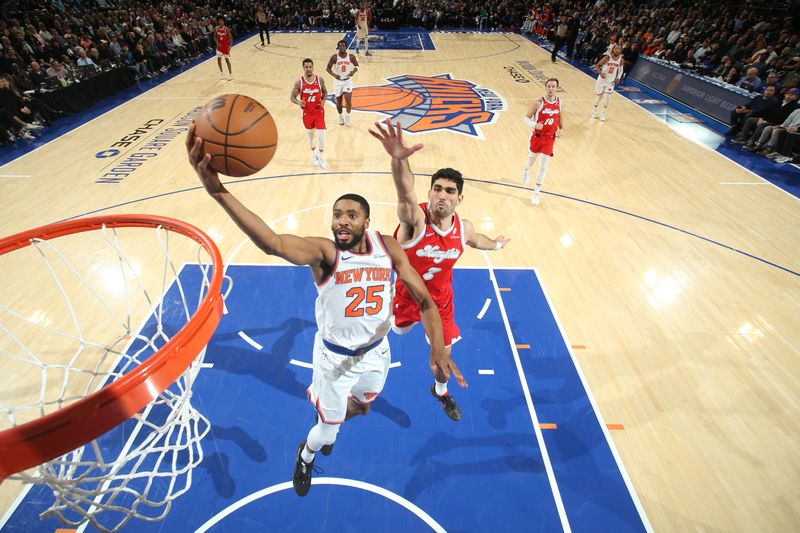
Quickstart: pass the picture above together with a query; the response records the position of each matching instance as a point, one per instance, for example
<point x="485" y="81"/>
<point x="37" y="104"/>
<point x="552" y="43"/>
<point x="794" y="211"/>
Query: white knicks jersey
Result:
<point x="343" y="65"/>
<point x="354" y="304"/>
<point x="612" y="70"/>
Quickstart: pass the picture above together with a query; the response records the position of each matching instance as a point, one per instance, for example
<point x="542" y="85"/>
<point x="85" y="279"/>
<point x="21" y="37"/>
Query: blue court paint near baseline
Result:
<point x="393" y="40"/>
<point x="483" y="473"/>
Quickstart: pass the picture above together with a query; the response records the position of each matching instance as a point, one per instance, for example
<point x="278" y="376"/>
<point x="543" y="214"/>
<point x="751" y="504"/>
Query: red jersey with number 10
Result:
<point x="548" y="117"/>
<point x="433" y="254"/>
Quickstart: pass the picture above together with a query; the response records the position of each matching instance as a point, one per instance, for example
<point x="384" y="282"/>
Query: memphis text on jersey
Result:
<point x="438" y="255"/>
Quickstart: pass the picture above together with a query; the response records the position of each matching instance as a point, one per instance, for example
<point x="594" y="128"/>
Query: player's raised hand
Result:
<point x="442" y="366"/>
<point x="392" y="139"/>
<point x="201" y="162"/>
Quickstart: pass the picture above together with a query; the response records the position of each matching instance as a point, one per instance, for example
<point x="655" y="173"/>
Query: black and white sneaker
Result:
<point x="448" y="404"/>
<point x="301" y="480"/>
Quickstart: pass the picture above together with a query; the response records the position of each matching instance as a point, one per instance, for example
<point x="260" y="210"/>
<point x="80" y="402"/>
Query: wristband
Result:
<point x="498" y="245"/>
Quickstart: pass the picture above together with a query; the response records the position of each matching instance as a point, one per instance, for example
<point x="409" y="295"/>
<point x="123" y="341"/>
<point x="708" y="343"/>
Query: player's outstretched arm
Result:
<point x="480" y="241"/>
<point x="391" y="137"/>
<point x="440" y="360"/>
<point x="296" y="250"/>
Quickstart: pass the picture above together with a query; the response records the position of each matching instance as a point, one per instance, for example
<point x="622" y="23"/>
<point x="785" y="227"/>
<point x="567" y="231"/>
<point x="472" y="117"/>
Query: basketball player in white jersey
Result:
<point x="309" y="92"/>
<point x="363" y="17"/>
<point x="354" y="274"/>
<point x="343" y="66"/>
<point x="609" y="72"/>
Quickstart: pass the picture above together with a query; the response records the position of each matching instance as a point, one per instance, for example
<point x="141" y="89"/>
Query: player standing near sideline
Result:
<point x="547" y="121"/>
<point x="609" y="73"/>
<point x="309" y="93"/>
<point x="343" y="66"/>
<point x="224" y="38"/>
<point x="433" y="237"/>
<point x="363" y="17"/>
<point x="354" y="274"/>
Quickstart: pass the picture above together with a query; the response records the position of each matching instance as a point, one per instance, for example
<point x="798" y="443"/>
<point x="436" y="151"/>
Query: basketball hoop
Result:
<point x="98" y="371"/>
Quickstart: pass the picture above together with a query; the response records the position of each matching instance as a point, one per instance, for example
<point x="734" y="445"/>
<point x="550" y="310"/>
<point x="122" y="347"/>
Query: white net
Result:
<point x="76" y="314"/>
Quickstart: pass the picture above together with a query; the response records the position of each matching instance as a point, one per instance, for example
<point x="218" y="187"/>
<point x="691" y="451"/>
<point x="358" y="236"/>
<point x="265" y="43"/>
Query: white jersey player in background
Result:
<point x="363" y="18"/>
<point x="609" y="72"/>
<point x="354" y="274"/>
<point x="343" y="66"/>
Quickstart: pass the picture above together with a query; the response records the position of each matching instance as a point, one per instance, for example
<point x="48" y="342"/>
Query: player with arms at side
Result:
<point x="223" y="38"/>
<point x="309" y="93"/>
<point x="433" y="237"/>
<point x="354" y="274"/>
<point x="609" y="72"/>
<point x="547" y="121"/>
<point x="363" y="18"/>
<point x="343" y="66"/>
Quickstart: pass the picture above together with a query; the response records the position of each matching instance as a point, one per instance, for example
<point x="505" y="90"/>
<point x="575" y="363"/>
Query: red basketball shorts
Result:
<point x="541" y="144"/>
<point x="314" y="120"/>
<point x="406" y="315"/>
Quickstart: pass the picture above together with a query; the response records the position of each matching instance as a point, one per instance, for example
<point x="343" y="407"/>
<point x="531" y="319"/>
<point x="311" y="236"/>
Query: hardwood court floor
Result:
<point x="674" y="271"/>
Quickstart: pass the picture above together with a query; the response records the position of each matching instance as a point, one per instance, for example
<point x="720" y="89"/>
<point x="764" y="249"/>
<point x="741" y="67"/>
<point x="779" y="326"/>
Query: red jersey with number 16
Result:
<point x="433" y="254"/>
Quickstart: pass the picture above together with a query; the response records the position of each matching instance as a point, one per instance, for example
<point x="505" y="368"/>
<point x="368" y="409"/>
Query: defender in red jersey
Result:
<point x="434" y="237"/>
<point x="547" y="121"/>
<point x="223" y="38"/>
<point x="309" y="93"/>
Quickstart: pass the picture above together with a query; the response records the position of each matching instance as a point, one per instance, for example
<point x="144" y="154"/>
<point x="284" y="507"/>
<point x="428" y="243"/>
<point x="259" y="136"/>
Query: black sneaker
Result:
<point x="448" y="404"/>
<point x="326" y="450"/>
<point x="302" y="473"/>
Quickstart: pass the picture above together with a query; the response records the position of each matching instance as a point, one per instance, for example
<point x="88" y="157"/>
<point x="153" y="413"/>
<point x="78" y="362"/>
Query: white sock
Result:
<point x="531" y="160"/>
<point x="542" y="170"/>
<point x="321" y="139"/>
<point x="441" y="388"/>
<point x="319" y="435"/>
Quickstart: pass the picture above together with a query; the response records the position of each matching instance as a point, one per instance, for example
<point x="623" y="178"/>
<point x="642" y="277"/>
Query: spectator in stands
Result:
<point x="750" y="80"/>
<point x="36" y="74"/>
<point x="724" y="68"/>
<point x="58" y="71"/>
<point x="754" y="108"/>
<point x="772" y="80"/>
<point x="789" y="125"/>
<point x="754" y="127"/>
<point x="85" y="61"/>
<point x="15" y="109"/>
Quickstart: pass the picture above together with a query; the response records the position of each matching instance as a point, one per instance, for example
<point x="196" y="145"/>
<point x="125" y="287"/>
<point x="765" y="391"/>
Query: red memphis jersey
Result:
<point x="223" y="43"/>
<point x="548" y="117"/>
<point x="311" y="94"/>
<point x="433" y="254"/>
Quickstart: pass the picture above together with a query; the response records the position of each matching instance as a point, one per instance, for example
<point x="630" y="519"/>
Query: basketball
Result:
<point x="238" y="132"/>
<point x="385" y="98"/>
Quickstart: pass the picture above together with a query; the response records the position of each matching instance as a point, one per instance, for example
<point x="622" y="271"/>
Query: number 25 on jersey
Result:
<point x="371" y="298"/>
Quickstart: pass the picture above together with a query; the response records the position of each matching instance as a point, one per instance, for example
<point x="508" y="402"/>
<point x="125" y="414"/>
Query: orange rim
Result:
<point x="55" y="434"/>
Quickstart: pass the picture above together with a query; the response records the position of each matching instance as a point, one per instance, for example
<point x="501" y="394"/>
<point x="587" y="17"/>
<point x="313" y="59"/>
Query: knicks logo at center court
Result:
<point x="432" y="103"/>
